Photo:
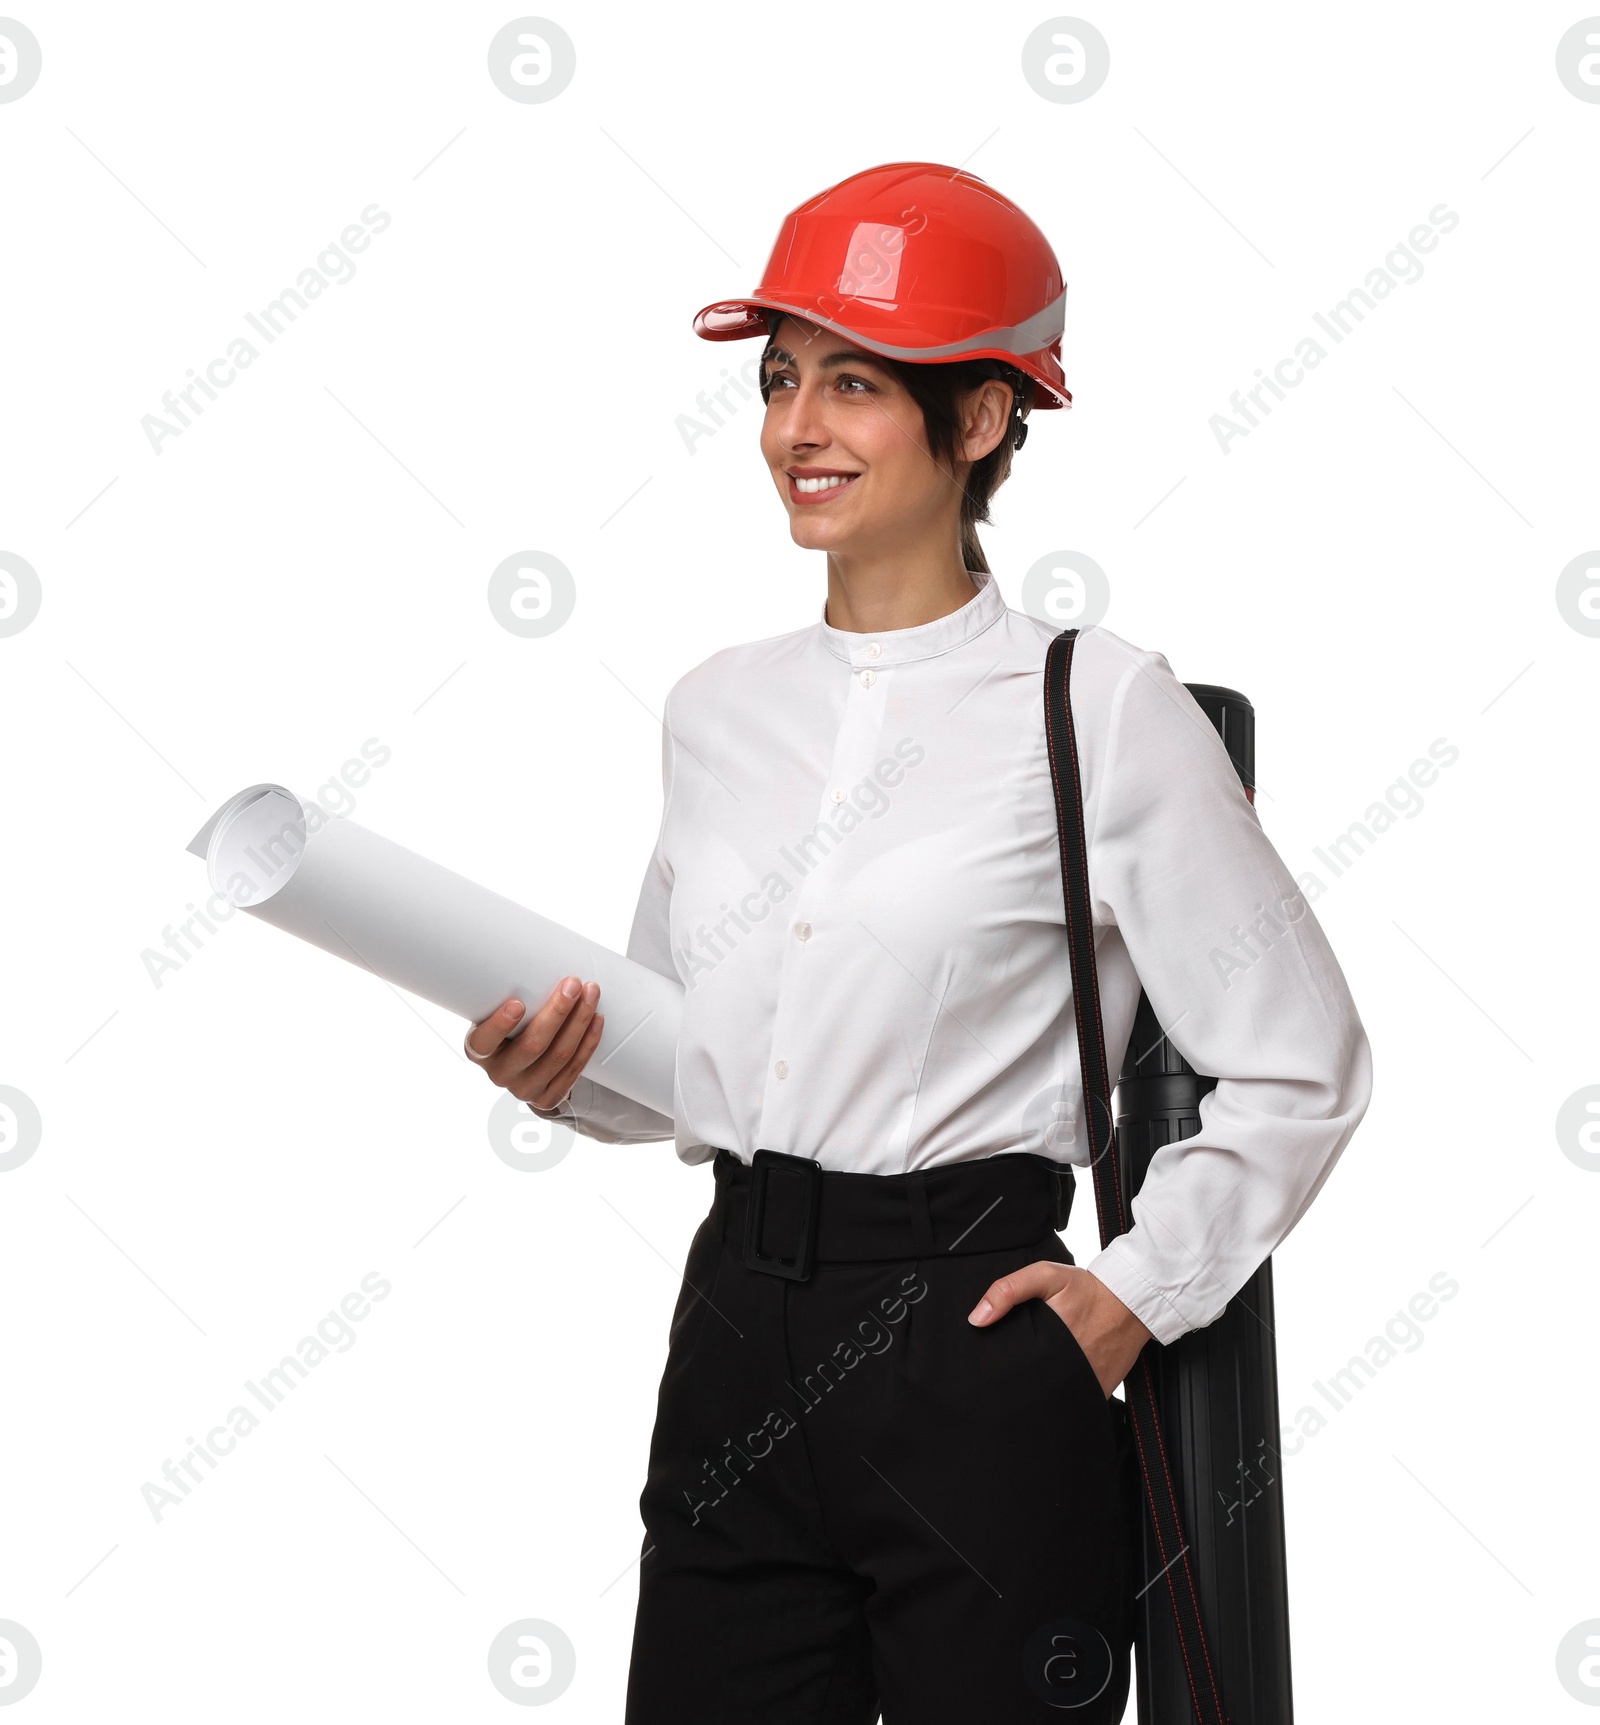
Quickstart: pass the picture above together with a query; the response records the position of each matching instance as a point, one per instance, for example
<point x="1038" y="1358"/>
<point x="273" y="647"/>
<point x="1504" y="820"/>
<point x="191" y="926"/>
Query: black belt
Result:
<point x="790" y="1213"/>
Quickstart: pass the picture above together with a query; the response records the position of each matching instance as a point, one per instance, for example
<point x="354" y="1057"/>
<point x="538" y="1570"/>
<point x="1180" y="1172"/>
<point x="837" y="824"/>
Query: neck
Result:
<point x="869" y="595"/>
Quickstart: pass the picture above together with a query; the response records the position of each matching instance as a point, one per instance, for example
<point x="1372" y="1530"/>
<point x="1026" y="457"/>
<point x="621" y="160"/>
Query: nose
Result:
<point x="803" y="427"/>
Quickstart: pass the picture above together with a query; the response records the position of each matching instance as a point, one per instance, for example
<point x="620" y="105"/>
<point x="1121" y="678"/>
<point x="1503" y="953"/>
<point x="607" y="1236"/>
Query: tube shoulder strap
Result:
<point x="1110" y="1207"/>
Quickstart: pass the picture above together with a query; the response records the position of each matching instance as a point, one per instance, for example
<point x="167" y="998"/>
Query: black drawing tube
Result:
<point x="1217" y="1391"/>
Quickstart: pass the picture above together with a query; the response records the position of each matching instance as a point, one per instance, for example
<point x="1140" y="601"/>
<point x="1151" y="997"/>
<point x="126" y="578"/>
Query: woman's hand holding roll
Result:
<point x="541" y="1063"/>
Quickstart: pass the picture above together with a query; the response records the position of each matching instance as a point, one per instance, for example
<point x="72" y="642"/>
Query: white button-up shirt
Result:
<point x="858" y="882"/>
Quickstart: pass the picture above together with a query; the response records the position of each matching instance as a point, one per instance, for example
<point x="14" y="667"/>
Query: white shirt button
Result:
<point x="838" y="793"/>
<point x="873" y="649"/>
<point x="802" y="931"/>
<point x="782" y="1069"/>
<point x="867" y="678"/>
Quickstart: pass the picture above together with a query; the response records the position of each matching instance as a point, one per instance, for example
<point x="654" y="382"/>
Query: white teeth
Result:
<point x="820" y="484"/>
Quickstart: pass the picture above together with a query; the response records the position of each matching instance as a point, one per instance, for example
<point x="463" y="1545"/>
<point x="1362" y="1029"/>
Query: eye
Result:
<point x="777" y="378"/>
<point x="850" y="377"/>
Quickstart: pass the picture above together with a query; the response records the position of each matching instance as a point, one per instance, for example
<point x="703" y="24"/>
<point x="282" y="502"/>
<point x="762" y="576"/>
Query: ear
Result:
<point x="985" y="415"/>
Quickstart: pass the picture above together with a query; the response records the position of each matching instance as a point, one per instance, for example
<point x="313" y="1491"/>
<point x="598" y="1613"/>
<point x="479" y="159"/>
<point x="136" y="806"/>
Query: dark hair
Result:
<point x="937" y="389"/>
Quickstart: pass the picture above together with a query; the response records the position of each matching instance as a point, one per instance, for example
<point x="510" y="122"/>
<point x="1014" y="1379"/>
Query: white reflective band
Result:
<point x="1023" y="338"/>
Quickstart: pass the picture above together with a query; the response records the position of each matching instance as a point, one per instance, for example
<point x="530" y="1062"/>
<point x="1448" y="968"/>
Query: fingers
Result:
<point x="551" y="1037"/>
<point x="512" y="1056"/>
<point x="544" y="1059"/>
<point x="488" y="1033"/>
<point x="556" y="1090"/>
<point x="1032" y="1282"/>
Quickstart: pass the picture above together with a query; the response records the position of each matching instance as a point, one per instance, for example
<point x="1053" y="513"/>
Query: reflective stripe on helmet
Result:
<point x="1020" y="339"/>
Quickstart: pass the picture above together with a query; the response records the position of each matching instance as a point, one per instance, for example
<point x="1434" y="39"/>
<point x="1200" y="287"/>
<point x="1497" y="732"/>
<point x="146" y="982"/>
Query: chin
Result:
<point x="815" y="536"/>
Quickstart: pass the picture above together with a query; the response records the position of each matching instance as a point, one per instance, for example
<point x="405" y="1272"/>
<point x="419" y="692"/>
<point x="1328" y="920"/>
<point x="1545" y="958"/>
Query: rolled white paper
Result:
<point x="431" y="931"/>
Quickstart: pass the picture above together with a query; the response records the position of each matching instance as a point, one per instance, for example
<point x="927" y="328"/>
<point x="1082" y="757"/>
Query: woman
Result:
<point x="884" y="1471"/>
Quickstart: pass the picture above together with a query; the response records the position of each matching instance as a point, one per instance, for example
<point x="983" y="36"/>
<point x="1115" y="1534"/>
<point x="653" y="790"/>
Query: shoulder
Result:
<point x="1105" y="665"/>
<point x="738" y="672"/>
<point x="1137" y="725"/>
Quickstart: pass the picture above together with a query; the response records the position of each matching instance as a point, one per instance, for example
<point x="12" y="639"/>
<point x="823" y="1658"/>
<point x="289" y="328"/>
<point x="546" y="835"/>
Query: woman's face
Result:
<point x="846" y="447"/>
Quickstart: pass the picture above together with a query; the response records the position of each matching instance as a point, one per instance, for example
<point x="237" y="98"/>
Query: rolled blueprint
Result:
<point x="431" y="931"/>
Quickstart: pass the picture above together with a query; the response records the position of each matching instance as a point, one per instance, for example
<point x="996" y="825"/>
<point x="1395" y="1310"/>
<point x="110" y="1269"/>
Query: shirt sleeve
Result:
<point x="1243" y="980"/>
<point x="590" y="1108"/>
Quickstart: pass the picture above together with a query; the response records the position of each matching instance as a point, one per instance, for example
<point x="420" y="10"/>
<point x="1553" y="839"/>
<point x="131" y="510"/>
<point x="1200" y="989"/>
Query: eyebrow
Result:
<point x="829" y="362"/>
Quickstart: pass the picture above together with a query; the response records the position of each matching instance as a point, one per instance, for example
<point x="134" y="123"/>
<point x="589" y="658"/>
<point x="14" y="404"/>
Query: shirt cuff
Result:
<point x="608" y="1117"/>
<point x="1166" y="1313"/>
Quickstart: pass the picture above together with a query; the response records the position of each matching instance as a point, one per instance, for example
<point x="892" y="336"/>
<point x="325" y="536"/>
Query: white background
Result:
<point x="225" y="1155"/>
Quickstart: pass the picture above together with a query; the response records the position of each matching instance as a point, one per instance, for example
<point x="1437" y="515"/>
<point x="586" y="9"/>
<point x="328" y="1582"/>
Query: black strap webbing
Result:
<point x="1160" y="1498"/>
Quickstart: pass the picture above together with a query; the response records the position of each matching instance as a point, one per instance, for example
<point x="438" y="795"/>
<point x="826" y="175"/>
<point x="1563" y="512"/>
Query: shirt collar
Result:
<point x="922" y="640"/>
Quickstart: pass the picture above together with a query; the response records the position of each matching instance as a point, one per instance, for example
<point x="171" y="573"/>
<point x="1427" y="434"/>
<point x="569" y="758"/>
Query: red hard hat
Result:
<point x="917" y="262"/>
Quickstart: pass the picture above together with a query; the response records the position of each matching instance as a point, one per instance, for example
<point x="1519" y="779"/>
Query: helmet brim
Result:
<point x="739" y="319"/>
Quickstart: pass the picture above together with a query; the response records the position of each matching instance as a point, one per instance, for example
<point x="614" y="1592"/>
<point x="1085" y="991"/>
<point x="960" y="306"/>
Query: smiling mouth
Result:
<point x="820" y="489"/>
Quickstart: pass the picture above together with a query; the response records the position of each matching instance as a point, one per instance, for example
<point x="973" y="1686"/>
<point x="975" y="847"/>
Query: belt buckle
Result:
<point x="764" y="1165"/>
<point x="1065" y="1185"/>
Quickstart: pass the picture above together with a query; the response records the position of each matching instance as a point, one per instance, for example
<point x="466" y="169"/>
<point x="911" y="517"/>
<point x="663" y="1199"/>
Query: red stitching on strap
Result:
<point x="1165" y="1517"/>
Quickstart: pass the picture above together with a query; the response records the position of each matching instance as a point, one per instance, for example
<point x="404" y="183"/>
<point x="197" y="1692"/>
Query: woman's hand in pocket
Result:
<point x="542" y="1062"/>
<point x="1108" y="1332"/>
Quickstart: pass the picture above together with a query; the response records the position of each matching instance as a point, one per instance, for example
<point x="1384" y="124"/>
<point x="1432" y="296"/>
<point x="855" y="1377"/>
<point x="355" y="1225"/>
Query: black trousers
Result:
<point x="857" y="1502"/>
